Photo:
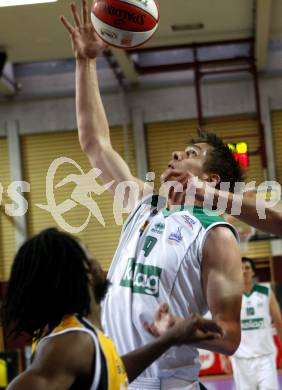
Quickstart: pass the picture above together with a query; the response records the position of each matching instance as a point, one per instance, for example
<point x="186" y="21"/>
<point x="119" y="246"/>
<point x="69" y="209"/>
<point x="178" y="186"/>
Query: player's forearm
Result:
<point x="137" y="361"/>
<point x="278" y="328"/>
<point x="226" y="345"/>
<point x="279" y="333"/>
<point x="244" y="207"/>
<point x="92" y="122"/>
<point x="251" y="210"/>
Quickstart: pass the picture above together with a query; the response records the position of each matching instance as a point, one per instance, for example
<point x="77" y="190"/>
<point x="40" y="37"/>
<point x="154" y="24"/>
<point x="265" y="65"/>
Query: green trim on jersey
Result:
<point x="198" y="212"/>
<point x="259" y="288"/>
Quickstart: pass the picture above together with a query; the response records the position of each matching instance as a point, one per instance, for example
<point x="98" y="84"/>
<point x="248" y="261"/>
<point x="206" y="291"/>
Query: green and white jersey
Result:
<point x="256" y="338"/>
<point x="158" y="260"/>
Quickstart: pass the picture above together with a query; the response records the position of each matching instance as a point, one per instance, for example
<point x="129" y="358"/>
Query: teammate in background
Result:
<point x="54" y="294"/>
<point x="254" y="365"/>
<point x="165" y="254"/>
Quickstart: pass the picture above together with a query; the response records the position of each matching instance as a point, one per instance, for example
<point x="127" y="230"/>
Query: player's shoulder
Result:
<point x="149" y="204"/>
<point x="221" y="233"/>
<point x="206" y="218"/>
<point x="73" y="350"/>
<point x="262" y="288"/>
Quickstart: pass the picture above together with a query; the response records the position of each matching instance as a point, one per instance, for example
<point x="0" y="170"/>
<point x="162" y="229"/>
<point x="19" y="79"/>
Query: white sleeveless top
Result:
<point x="256" y="330"/>
<point x="158" y="260"/>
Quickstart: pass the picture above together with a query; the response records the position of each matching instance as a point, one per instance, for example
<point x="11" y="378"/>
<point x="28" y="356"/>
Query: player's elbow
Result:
<point x="233" y="345"/>
<point x="87" y="143"/>
<point x="233" y="341"/>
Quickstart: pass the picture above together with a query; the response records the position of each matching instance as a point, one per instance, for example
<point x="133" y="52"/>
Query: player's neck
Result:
<point x="248" y="286"/>
<point x="172" y="203"/>
<point x="95" y="316"/>
<point x="172" y="207"/>
<point x="95" y="312"/>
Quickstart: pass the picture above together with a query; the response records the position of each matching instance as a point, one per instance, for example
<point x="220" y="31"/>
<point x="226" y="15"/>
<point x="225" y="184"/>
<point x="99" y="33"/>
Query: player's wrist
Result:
<point x="170" y="337"/>
<point x="82" y="60"/>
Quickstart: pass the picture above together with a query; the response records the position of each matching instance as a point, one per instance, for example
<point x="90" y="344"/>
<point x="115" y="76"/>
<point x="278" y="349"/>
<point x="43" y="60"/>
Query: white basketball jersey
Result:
<point x="158" y="260"/>
<point x="256" y="336"/>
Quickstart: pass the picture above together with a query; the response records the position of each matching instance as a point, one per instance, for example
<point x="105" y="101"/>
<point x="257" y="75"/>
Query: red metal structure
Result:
<point x="244" y="63"/>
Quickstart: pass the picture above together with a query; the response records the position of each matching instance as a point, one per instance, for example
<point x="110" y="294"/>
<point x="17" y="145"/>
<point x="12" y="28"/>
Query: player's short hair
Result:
<point x="220" y="159"/>
<point x="251" y="261"/>
<point x="49" y="279"/>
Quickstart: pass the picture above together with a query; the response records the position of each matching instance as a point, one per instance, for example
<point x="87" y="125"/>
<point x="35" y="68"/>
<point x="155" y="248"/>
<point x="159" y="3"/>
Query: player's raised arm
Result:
<point x="93" y="127"/>
<point x="250" y="207"/>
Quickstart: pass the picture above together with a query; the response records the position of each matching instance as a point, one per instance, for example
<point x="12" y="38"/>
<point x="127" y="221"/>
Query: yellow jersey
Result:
<point x="110" y="372"/>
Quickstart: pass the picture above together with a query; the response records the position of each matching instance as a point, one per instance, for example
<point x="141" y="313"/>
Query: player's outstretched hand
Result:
<point x="191" y="191"/>
<point x="85" y="41"/>
<point x="194" y="191"/>
<point x="183" y="330"/>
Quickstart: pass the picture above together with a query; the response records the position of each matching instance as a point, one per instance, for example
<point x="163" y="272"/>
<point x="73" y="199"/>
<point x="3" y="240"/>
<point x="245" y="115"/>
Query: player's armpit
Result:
<point x="58" y="362"/>
<point x="222" y="283"/>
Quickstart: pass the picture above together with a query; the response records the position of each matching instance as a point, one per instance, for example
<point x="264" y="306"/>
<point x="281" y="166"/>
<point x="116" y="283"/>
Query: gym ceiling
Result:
<point x="36" y="43"/>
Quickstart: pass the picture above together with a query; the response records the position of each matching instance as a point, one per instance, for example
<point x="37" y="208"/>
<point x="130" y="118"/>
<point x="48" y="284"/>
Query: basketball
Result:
<point x="125" y="23"/>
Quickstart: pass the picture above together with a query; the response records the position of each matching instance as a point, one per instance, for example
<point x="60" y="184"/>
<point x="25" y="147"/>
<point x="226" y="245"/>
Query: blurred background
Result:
<point x="215" y="64"/>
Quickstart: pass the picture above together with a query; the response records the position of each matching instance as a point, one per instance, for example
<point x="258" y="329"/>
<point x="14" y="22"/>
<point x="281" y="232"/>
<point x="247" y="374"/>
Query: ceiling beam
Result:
<point x="262" y="31"/>
<point x="8" y="84"/>
<point x="125" y="64"/>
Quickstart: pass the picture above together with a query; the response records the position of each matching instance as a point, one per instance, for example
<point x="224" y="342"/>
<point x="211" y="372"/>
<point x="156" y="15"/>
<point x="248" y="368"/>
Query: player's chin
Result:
<point x="168" y="175"/>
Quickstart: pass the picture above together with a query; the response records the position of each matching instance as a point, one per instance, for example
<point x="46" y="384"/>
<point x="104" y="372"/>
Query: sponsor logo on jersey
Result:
<point x="158" y="228"/>
<point x="142" y="279"/>
<point x="189" y="221"/>
<point x="252" y="324"/>
<point x="250" y="311"/>
<point x="175" y="238"/>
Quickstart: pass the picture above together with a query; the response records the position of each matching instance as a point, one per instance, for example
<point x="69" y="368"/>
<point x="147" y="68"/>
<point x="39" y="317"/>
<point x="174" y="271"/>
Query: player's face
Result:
<point x="99" y="282"/>
<point x="248" y="272"/>
<point x="192" y="159"/>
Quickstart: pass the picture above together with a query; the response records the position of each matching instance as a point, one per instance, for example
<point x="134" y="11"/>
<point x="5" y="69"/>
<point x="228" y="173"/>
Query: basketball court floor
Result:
<point x="226" y="382"/>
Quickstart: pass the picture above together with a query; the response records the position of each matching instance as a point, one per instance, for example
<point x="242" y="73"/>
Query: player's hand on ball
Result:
<point x="195" y="329"/>
<point x="183" y="330"/>
<point x="85" y="41"/>
<point x="163" y="321"/>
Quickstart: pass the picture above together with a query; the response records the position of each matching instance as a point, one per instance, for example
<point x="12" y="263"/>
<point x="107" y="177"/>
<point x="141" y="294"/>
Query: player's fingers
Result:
<point x="209" y="336"/>
<point x="164" y="308"/>
<point x="75" y="15"/>
<point x="150" y="328"/>
<point x="209" y="326"/>
<point x="85" y="12"/>
<point x="67" y="24"/>
<point x="161" y="310"/>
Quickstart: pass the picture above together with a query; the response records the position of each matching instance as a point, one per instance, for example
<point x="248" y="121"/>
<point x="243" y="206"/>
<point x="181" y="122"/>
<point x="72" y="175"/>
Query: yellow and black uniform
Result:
<point x="109" y="369"/>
